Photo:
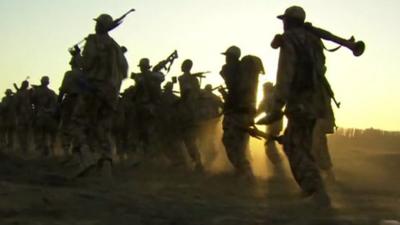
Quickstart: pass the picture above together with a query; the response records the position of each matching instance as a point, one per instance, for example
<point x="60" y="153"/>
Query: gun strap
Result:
<point x="333" y="49"/>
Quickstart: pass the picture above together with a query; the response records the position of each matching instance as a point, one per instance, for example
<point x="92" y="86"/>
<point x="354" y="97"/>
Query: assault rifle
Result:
<point x="256" y="133"/>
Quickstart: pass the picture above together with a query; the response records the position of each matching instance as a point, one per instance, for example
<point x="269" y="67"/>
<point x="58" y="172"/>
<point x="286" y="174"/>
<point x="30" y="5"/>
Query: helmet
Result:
<point x="145" y="62"/>
<point x="233" y="50"/>
<point x="105" y="20"/>
<point x="187" y="65"/>
<point x="294" y="12"/>
<point x="45" y="80"/>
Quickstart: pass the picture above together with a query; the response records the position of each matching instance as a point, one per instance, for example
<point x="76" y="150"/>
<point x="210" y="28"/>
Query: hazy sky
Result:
<point x="36" y="34"/>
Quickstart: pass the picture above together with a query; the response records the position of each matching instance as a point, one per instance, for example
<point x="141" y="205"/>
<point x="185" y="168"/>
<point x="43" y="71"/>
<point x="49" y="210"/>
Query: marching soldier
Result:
<point x="273" y="129"/>
<point x="190" y="93"/>
<point x="24" y="114"/>
<point x="104" y="67"/>
<point x="148" y="94"/>
<point x="299" y="88"/>
<point x="45" y="124"/>
<point x="241" y="79"/>
<point x="68" y="97"/>
<point x="8" y="120"/>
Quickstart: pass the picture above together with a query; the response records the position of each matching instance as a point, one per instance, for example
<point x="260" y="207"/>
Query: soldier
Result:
<point x="241" y="79"/>
<point x="210" y="109"/>
<point x="320" y="150"/>
<point x="130" y="136"/>
<point x="273" y="129"/>
<point x="45" y="124"/>
<point x="168" y="126"/>
<point x="24" y="114"/>
<point x="68" y="96"/>
<point x="8" y="120"/>
<point x="148" y="85"/>
<point x="103" y="67"/>
<point x="190" y="92"/>
<point x="299" y="88"/>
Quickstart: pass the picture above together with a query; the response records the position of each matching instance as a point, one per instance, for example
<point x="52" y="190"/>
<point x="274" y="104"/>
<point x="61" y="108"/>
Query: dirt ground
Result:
<point x="32" y="193"/>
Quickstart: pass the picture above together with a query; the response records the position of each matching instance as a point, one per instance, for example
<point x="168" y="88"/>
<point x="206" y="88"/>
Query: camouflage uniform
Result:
<point x="190" y="90"/>
<point x="24" y="113"/>
<point x="320" y="151"/>
<point x="299" y="88"/>
<point x="67" y="100"/>
<point x="147" y="102"/>
<point x="273" y="129"/>
<point x="168" y="125"/>
<point x="104" y="67"/>
<point x="239" y="108"/>
<point x="210" y="110"/>
<point x="8" y="120"/>
<point x="130" y="134"/>
<point x="45" y="124"/>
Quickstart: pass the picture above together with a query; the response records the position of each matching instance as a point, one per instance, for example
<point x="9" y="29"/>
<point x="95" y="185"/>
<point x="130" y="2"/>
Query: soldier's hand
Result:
<point x="270" y="118"/>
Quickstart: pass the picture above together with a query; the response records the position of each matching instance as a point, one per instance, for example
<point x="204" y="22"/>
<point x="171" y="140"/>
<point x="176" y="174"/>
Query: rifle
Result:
<point x="330" y="92"/>
<point x="200" y="75"/>
<point x="114" y="25"/>
<point x="166" y="63"/>
<point x="256" y="133"/>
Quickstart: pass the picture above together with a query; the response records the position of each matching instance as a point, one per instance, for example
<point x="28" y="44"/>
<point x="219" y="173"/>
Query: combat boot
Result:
<point x="321" y="199"/>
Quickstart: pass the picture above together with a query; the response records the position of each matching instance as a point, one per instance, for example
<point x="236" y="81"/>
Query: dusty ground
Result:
<point x="367" y="192"/>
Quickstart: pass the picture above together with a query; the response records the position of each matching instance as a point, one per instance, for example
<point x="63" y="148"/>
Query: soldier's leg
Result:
<point x="297" y="146"/>
<point x="81" y="126"/>
<point x="23" y="138"/>
<point x="41" y="142"/>
<point x="272" y="152"/>
<point x="235" y="140"/>
<point x="189" y="139"/>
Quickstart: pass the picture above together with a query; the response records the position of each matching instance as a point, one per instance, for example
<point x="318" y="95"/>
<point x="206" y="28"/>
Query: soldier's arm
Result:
<point x="285" y="74"/>
<point x="89" y="53"/>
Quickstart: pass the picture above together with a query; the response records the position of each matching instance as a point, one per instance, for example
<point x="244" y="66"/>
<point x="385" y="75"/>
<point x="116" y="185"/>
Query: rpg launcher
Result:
<point x="357" y="47"/>
<point x="166" y="63"/>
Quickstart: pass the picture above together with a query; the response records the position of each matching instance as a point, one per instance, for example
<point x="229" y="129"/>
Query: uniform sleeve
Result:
<point x="285" y="74"/>
<point x="89" y="53"/>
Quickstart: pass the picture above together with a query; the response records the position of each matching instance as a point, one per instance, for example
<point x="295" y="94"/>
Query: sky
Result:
<point x="36" y="35"/>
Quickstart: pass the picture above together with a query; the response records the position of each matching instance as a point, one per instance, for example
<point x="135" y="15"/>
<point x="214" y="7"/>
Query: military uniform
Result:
<point x="104" y="67"/>
<point x="147" y="104"/>
<point x="299" y="88"/>
<point x="169" y="133"/>
<point x="24" y="113"/>
<point x="45" y="124"/>
<point x="8" y="120"/>
<point x="190" y="90"/>
<point x="69" y="92"/>
<point x="241" y="79"/>
<point x="210" y="110"/>
<point x="273" y="129"/>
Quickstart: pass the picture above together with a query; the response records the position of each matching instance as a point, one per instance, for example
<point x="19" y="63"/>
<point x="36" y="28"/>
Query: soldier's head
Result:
<point x="232" y="54"/>
<point x="267" y="88"/>
<point x="76" y="62"/>
<point x="208" y="88"/>
<point x="294" y="16"/>
<point x="44" y="81"/>
<point x="104" y="23"/>
<point x="144" y="65"/>
<point x="24" y="84"/>
<point x="168" y="87"/>
<point x="187" y="66"/>
<point x="8" y="92"/>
